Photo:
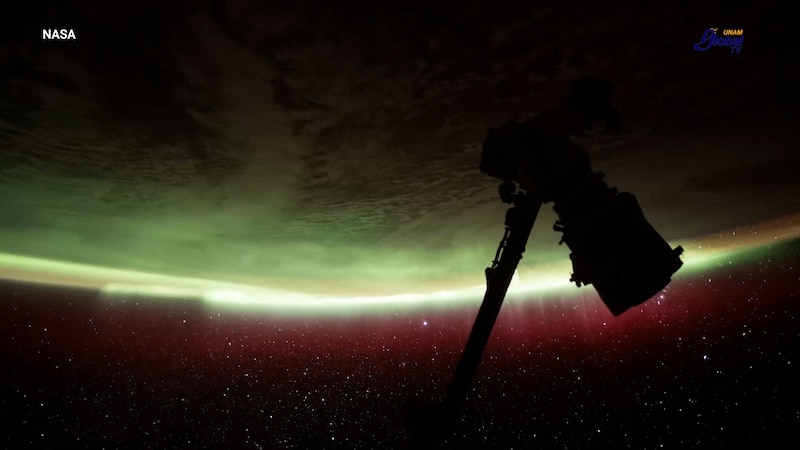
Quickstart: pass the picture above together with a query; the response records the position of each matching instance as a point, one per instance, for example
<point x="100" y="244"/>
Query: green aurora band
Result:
<point x="537" y="282"/>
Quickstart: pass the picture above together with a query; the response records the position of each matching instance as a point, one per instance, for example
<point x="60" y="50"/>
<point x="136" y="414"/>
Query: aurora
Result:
<point x="258" y="296"/>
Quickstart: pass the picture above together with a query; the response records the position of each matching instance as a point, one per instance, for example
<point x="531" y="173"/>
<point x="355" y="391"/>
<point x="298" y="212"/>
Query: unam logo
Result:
<point x="58" y="34"/>
<point x="732" y="38"/>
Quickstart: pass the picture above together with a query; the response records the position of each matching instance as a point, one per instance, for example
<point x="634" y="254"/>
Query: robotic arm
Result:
<point x="613" y="246"/>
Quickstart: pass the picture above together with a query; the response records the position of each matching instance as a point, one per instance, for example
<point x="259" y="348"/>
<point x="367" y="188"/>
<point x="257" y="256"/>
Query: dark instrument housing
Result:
<point x="614" y="247"/>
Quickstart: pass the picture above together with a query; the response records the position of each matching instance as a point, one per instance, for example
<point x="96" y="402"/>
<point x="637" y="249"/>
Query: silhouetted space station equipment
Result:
<point x="613" y="246"/>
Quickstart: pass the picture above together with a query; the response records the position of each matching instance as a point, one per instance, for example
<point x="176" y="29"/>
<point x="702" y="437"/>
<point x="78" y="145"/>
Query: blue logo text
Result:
<point x="731" y="38"/>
